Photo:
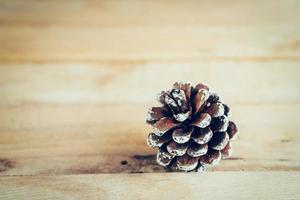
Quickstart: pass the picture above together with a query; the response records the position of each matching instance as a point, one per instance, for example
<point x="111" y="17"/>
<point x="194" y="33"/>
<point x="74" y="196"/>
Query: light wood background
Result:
<point x="77" y="77"/>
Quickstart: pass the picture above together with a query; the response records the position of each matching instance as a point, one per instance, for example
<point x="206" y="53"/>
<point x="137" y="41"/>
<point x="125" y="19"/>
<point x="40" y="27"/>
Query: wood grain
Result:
<point x="244" y="185"/>
<point x="148" y="30"/>
<point x="77" y="77"/>
<point x="275" y="82"/>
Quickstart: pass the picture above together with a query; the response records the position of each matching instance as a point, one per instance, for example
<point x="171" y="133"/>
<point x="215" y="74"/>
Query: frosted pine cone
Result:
<point x="191" y="129"/>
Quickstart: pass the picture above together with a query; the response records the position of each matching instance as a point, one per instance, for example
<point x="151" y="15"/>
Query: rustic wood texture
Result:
<point x="155" y="186"/>
<point x="77" y="77"/>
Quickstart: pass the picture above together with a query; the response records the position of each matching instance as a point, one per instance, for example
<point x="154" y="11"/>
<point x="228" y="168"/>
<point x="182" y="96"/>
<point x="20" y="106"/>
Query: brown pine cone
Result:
<point x="191" y="129"/>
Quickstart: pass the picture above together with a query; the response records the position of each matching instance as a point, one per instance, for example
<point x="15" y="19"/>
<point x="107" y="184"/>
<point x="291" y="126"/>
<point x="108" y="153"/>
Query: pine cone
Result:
<point x="191" y="129"/>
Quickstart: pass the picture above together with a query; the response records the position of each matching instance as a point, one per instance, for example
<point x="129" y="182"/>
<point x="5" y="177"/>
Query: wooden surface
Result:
<point x="77" y="77"/>
<point x="155" y="186"/>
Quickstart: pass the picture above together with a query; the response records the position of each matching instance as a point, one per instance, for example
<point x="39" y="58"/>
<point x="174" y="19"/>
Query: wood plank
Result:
<point x="80" y="139"/>
<point x="147" y="30"/>
<point x="224" y="185"/>
<point x="134" y="13"/>
<point x="122" y="83"/>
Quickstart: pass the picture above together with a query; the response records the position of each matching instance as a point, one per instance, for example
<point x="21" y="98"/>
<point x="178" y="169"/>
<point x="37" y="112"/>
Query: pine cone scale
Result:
<point x="202" y="136"/>
<point x="187" y="163"/>
<point x="186" y="87"/>
<point x="212" y="158"/>
<point x="202" y="121"/>
<point x="232" y="130"/>
<point x="197" y="150"/>
<point x="215" y="110"/>
<point x="163" y="125"/>
<point x="182" y="135"/>
<point x="199" y="99"/>
<point x="227" y="151"/>
<point x="219" y="140"/>
<point x="176" y="149"/>
<point x="163" y="157"/>
<point x="157" y="141"/>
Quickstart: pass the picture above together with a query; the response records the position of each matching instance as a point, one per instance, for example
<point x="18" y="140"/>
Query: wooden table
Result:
<point x="77" y="77"/>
